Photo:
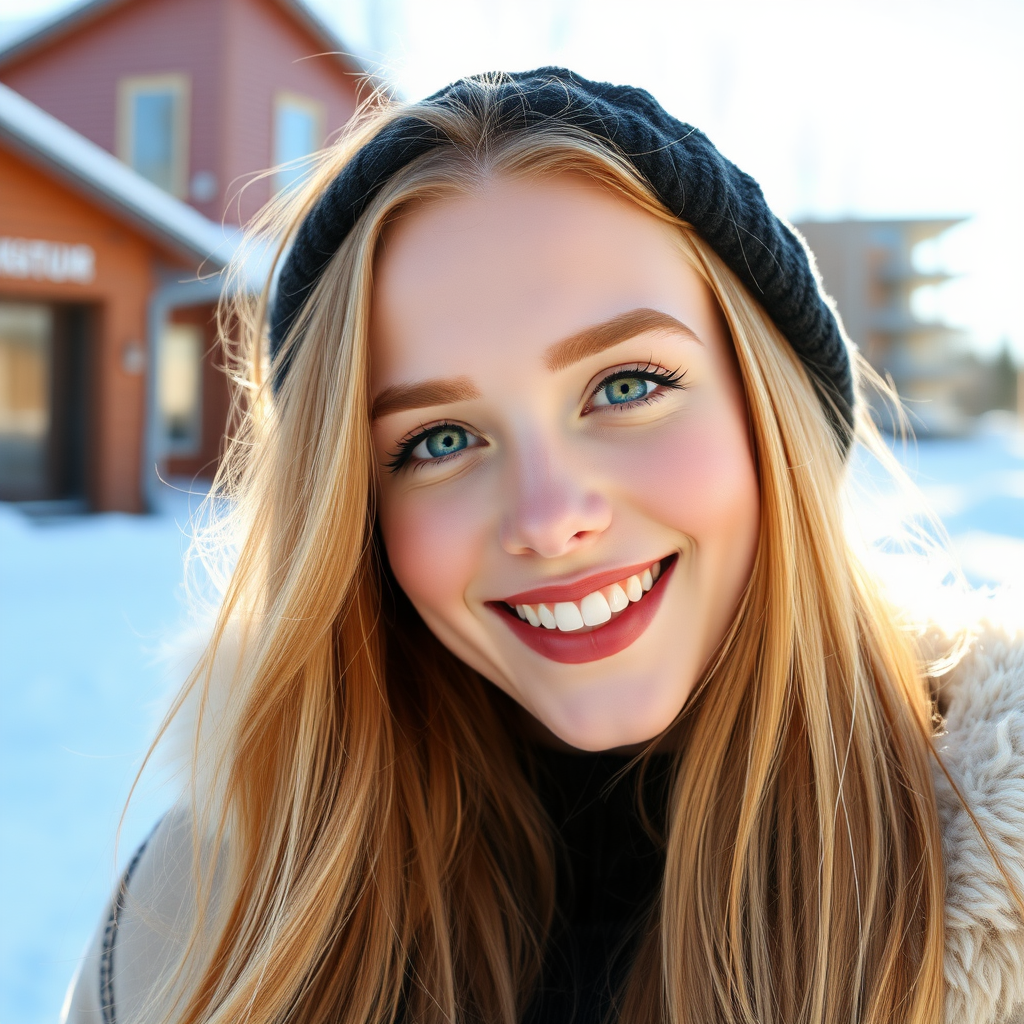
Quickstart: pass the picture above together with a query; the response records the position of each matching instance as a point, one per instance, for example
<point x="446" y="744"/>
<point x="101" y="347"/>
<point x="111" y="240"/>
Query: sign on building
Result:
<point x="37" y="260"/>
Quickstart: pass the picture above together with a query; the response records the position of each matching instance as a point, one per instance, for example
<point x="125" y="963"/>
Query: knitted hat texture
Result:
<point x="682" y="167"/>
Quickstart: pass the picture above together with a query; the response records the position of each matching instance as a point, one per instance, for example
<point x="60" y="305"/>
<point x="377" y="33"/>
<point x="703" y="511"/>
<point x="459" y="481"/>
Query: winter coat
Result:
<point x="981" y="744"/>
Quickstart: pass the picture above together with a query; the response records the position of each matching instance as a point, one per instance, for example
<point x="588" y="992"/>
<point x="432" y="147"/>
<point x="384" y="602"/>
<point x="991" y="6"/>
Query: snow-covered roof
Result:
<point x="70" y="19"/>
<point x="44" y="139"/>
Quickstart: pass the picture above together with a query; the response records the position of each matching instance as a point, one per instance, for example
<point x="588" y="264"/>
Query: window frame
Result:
<point x="192" y="445"/>
<point x="180" y="85"/>
<point x="314" y="107"/>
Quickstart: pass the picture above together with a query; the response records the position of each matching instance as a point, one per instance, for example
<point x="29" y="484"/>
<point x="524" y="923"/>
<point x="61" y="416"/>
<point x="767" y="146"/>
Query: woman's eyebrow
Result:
<point x="620" y="327"/>
<point x="588" y="342"/>
<point x="440" y="391"/>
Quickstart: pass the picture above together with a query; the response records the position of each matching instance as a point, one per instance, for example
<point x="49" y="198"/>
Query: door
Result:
<point x="43" y="400"/>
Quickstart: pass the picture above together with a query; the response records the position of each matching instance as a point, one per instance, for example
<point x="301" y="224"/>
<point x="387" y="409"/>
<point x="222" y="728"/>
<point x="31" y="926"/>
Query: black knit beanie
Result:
<point x="685" y="171"/>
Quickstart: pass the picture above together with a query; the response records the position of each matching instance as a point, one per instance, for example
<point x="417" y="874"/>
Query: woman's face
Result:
<point x="560" y="426"/>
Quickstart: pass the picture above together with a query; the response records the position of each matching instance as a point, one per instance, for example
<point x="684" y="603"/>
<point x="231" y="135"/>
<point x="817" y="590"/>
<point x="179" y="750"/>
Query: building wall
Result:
<point x="267" y="53"/>
<point x="237" y="54"/>
<point x="76" y="77"/>
<point x="35" y="206"/>
<point x="868" y="267"/>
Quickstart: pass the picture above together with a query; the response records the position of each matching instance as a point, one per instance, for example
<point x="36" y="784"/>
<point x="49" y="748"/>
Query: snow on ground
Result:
<point x="977" y="488"/>
<point x="84" y="604"/>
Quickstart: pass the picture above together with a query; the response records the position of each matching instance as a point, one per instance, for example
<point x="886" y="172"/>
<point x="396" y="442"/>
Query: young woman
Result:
<point x="546" y="685"/>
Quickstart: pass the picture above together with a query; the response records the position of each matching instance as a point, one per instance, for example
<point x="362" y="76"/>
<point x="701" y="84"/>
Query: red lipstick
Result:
<point x="603" y="641"/>
<point x="578" y="589"/>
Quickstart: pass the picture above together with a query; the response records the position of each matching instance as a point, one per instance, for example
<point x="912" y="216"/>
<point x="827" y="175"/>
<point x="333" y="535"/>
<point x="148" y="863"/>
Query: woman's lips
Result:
<point x="578" y="589"/>
<point x="596" y="642"/>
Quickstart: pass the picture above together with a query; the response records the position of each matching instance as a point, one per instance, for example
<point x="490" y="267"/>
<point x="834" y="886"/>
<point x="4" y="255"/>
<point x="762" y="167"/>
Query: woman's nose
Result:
<point x="550" y="511"/>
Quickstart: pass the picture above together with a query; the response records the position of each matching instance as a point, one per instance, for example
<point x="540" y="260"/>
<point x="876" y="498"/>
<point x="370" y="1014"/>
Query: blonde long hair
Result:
<point x="385" y="857"/>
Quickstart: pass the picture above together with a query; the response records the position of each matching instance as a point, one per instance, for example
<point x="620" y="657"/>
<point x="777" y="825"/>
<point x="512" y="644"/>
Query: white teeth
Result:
<point x="616" y="597"/>
<point x="567" y="616"/>
<point x="595" y="609"/>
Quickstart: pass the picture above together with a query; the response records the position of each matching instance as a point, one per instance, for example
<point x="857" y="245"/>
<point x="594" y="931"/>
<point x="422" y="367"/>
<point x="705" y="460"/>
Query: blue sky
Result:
<point x="838" y="107"/>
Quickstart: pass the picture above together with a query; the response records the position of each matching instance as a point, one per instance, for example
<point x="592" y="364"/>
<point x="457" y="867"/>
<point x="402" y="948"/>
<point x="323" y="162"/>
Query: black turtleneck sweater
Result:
<point x="609" y="874"/>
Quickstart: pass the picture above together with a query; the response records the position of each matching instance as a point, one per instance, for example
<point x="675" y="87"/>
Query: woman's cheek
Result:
<point x="434" y="546"/>
<point x="698" y="478"/>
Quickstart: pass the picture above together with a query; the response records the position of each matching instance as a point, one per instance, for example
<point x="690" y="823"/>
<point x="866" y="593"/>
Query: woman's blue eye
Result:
<point x="638" y="384"/>
<point x="627" y="389"/>
<point x="433" y="444"/>
<point x="444" y="441"/>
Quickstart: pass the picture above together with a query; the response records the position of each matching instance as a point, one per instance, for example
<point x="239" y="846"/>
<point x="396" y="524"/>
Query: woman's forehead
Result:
<point x="520" y="264"/>
<point x="531" y="221"/>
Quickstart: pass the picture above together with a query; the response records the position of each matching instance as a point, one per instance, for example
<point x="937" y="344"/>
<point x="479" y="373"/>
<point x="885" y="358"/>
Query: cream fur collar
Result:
<point x="983" y="749"/>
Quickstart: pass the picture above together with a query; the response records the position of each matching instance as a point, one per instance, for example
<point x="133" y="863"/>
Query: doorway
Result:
<point x="44" y="349"/>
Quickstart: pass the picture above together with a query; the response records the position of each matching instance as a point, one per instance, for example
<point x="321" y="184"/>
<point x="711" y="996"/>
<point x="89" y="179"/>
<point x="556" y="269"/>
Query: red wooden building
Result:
<point x="195" y="97"/>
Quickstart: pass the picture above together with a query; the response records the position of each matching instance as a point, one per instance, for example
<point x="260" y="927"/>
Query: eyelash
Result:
<point x="398" y="459"/>
<point x="673" y="380"/>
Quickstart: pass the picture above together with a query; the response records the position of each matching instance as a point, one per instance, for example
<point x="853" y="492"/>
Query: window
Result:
<point x="180" y="387"/>
<point x="298" y="131"/>
<point x="153" y="129"/>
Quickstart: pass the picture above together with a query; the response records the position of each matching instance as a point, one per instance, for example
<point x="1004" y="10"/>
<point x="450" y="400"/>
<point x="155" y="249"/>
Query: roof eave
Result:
<point x="52" y="145"/>
<point x="174" y="245"/>
<point x="55" y="28"/>
<point x="69" y="21"/>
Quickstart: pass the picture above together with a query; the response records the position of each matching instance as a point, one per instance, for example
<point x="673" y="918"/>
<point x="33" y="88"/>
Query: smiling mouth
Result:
<point x="594" y="610"/>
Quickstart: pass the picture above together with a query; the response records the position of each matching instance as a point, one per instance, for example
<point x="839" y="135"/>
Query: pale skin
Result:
<point x="516" y="323"/>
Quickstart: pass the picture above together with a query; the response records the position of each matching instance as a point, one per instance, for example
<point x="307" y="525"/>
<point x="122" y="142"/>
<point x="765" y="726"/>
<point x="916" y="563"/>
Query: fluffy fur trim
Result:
<point x="983" y="750"/>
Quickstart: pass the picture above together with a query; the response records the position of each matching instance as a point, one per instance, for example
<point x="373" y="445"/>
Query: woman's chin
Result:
<point x="614" y="734"/>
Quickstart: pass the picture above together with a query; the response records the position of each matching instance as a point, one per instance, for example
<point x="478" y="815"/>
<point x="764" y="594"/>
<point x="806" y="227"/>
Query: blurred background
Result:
<point x="891" y="132"/>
